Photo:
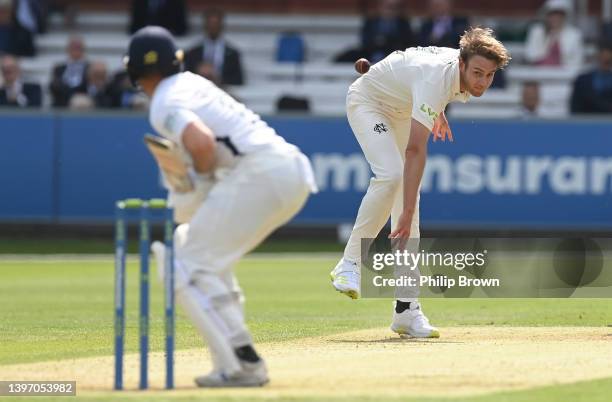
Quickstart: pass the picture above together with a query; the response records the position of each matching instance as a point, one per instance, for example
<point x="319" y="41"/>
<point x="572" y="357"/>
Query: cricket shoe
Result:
<point x="346" y="278"/>
<point x="412" y="322"/>
<point x="251" y="375"/>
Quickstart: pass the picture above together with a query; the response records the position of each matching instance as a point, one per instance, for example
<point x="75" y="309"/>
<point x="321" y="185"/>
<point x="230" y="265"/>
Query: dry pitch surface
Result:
<point x="465" y="361"/>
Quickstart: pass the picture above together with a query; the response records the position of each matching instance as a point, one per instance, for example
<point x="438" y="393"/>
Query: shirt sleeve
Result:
<point x="172" y="122"/>
<point x="427" y="103"/>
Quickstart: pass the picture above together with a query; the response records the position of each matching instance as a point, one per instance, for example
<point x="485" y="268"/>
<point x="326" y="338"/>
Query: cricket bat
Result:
<point x="168" y="157"/>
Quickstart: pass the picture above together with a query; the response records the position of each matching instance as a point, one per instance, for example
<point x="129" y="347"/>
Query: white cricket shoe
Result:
<point x="346" y="278"/>
<point x="251" y="375"/>
<point x="412" y="322"/>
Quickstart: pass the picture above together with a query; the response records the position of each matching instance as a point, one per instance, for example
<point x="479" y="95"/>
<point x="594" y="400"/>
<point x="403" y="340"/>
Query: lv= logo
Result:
<point x="431" y="113"/>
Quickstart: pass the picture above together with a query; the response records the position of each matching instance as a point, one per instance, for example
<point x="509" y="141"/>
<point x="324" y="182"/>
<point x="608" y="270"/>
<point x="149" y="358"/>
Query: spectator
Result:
<point x="530" y="100"/>
<point x="381" y="34"/>
<point x="81" y="102"/>
<point x="28" y="20"/>
<point x="555" y="42"/>
<point x="606" y="31"/>
<point x="207" y="70"/>
<point x="170" y="14"/>
<point x="442" y="28"/>
<point x="123" y="95"/>
<point x="97" y="85"/>
<point x="71" y="77"/>
<point x="15" y="92"/>
<point x="215" y="50"/>
<point x="389" y="30"/>
<point x="6" y="12"/>
<point x="592" y="91"/>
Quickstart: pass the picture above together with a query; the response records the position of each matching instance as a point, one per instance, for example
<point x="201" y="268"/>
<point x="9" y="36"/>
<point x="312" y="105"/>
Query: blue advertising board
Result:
<point x="495" y="175"/>
<point x="27" y="168"/>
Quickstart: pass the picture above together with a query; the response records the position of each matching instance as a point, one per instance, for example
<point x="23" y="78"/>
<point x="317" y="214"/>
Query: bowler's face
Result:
<point x="477" y="74"/>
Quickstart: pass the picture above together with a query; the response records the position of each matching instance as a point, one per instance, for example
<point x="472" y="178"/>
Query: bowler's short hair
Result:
<point x="482" y="42"/>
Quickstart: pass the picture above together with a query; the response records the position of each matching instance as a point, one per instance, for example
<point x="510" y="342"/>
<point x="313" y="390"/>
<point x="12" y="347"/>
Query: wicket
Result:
<point x="121" y="211"/>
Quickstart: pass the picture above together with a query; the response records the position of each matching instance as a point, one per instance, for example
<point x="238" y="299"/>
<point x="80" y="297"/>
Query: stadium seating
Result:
<point x="319" y="80"/>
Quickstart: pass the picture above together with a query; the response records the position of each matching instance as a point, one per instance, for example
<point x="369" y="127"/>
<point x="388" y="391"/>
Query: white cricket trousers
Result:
<point x="383" y="135"/>
<point x="261" y="193"/>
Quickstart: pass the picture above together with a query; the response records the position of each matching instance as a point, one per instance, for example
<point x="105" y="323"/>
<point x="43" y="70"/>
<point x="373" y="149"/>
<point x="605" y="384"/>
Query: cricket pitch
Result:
<point x="374" y="362"/>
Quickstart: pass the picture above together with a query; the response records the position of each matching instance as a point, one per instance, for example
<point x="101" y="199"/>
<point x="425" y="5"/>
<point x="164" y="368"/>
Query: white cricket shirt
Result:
<point x="421" y="79"/>
<point x="185" y="97"/>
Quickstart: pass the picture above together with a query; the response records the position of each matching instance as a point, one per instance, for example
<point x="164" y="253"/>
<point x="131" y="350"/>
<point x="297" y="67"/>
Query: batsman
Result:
<point x="231" y="180"/>
<point x="392" y="109"/>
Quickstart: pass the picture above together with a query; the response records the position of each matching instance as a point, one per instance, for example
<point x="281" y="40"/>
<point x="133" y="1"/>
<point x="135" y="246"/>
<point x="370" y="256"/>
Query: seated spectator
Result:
<point x="606" y="31"/>
<point x="124" y="95"/>
<point x="592" y="91"/>
<point x="530" y="100"/>
<point x="442" y="28"/>
<point x="28" y="20"/>
<point x="70" y="77"/>
<point x="170" y="14"/>
<point x="555" y="42"/>
<point x="97" y="85"/>
<point x="6" y="12"/>
<point x="15" y="92"/>
<point x="216" y="51"/>
<point x="381" y="34"/>
<point x="81" y="102"/>
<point x="20" y="21"/>
<point x="207" y="70"/>
<point x="389" y="30"/>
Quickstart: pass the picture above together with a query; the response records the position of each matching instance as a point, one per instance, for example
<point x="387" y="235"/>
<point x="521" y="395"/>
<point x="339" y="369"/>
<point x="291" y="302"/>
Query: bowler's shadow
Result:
<point x="393" y="340"/>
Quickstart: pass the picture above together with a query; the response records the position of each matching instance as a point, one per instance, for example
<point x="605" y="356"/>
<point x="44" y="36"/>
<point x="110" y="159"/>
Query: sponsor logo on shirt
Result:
<point x="427" y="110"/>
<point x="380" y="128"/>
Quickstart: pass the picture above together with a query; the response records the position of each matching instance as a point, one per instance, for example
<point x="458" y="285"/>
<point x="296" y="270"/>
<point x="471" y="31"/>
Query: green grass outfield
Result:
<point x="59" y="309"/>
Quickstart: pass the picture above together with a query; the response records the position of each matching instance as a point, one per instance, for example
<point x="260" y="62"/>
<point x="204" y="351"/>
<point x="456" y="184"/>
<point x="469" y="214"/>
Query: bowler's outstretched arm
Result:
<point x="416" y="154"/>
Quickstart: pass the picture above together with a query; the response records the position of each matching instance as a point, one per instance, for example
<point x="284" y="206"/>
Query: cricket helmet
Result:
<point x="152" y="50"/>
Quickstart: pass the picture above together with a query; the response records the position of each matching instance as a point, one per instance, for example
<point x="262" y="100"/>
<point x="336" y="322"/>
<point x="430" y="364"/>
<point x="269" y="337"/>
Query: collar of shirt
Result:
<point x="455" y="92"/>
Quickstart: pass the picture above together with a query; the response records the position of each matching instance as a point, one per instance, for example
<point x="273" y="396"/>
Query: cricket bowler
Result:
<point x="242" y="182"/>
<point x="392" y="109"/>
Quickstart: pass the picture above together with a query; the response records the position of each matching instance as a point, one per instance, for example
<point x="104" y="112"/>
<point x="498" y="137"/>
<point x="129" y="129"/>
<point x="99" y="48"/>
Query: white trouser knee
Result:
<point x="374" y="212"/>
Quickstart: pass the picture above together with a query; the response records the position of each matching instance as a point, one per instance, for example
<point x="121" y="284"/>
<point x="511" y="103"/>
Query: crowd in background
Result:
<point x="81" y="83"/>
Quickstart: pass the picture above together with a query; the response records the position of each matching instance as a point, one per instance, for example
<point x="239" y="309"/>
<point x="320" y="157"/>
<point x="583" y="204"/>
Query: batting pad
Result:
<point x="206" y="318"/>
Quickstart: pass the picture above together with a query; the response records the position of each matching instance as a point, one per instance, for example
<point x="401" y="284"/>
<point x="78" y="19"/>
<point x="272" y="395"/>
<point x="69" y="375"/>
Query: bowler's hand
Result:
<point x="441" y="129"/>
<point x="401" y="234"/>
